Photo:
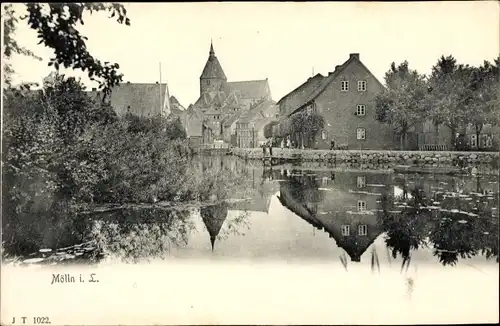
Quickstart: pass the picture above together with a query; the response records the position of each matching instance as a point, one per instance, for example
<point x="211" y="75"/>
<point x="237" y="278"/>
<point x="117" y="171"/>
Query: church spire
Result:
<point x="212" y="52"/>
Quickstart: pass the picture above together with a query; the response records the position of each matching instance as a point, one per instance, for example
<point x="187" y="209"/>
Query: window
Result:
<point x="360" y="133"/>
<point x="361" y="205"/>
<point x="345" y="230"/>
<point x="362" y="229"/>
<point x="473" y="141"/>
<point x="361" y="85"/>
<point x="361" y="109"/>
<point x="361" y="181"/>
<point x="488" y="141"/>
<point x="344" y="86"/>
<point x="324" y="135"/>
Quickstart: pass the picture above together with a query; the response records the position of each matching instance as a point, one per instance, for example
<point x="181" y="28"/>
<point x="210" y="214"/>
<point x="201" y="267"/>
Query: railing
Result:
<point x="433" y="147"/>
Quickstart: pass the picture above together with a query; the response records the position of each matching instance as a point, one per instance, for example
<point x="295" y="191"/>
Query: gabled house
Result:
<point x="141" y="99"/>
<point x="346" y="100"/>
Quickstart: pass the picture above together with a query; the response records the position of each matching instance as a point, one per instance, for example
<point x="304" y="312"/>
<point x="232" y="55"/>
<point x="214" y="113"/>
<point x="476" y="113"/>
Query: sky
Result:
<point x="285" y="42"/>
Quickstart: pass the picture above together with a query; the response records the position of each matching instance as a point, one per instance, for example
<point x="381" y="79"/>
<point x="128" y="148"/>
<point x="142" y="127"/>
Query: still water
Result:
<point x="292" y="244"/>
<point x="304" y="213"/>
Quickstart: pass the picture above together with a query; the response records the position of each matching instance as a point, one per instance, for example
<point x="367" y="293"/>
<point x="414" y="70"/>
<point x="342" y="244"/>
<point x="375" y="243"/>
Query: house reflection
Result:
<point x="343" y="204"/>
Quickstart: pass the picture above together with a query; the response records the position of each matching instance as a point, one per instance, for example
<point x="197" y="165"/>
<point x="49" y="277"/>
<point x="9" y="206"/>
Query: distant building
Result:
<point x="221" y="102"/>
<point x="141" y="99"/>
<point x="345" y="99"/>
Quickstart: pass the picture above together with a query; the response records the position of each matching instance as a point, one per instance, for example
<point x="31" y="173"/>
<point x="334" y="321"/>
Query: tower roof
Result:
<point x="212" y="68"/>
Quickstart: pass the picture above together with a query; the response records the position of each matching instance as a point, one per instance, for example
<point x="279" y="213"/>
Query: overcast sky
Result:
<point x="280" y="41"/>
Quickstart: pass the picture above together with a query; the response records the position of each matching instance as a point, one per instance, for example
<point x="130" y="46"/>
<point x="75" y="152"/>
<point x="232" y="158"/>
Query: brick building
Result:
<point x="345" y="99"/>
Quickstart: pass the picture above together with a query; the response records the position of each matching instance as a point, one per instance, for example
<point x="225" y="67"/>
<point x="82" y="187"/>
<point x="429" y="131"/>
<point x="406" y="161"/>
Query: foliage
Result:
<point x="402" y="103"/>
<point x="64" y="151"/>
<point x="268" y="129"/>
<point x="454" y="95"/>
<point x="57" y="27"/>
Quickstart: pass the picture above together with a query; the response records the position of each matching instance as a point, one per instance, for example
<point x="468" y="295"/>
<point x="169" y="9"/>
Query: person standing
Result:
<point x="271" y="146"/>
<point x="332" y="145"/>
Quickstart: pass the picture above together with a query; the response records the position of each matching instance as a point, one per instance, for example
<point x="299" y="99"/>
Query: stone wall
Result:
<point x="416" y="158"/>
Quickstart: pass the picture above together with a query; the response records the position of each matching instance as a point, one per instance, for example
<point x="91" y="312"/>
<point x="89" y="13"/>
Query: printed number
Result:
<point x="41" y="320"/>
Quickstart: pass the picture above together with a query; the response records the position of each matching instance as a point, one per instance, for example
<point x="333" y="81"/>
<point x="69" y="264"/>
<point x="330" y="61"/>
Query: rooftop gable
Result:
<point x="353" y="57"/>
<point x="252" y="89"/>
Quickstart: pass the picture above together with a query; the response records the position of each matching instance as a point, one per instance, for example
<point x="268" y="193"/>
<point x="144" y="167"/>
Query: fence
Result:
<point x="433" y="147"/>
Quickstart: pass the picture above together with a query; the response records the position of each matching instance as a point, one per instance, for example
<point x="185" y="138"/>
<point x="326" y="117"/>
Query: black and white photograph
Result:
<point x="229" y="163"/>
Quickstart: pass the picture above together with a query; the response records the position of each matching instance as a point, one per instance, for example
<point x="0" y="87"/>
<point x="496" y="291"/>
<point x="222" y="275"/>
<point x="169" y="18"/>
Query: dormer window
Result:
<point x="344" y="86"/>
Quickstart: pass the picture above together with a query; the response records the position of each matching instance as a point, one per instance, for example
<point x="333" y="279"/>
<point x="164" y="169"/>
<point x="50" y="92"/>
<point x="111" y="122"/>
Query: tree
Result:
<point x="402" y="103"/>
<point x="483" y="104"/>
<point x="268" y="129"/>
<point x="306" y="124"/>
<point x="447" y="102"/>
<point x="56" y="26"/>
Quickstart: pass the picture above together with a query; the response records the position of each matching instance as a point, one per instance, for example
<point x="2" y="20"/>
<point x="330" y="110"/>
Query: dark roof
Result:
<point x="141" y="99"/>
<point x="305" y="87"/>
<point x="252" y="89"/>
<point x="213" y="69"/>
<point x="331" y="77"/>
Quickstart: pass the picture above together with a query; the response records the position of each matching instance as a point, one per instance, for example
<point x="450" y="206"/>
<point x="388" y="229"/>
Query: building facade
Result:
<point x="346" y="100"/>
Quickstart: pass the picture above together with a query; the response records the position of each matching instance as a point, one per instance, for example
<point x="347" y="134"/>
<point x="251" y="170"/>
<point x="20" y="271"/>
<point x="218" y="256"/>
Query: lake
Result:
<point x="318" y="244"/>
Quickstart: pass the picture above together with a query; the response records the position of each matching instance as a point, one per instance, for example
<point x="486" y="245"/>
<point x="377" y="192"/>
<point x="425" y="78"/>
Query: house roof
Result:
<point x="354" y="57"/>
<point x="141" y="99"/>
<point x="305" y="88"/>
<point x="252" y="89"/>
<point x="174" y="103"/>
<point x="212" y="69"/>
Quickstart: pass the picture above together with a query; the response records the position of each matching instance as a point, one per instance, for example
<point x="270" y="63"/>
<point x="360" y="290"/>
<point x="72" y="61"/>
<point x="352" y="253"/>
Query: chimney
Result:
<point x="94" y="89"/>
<point x="157" y="82"/>
<point x="354" y="55"/>
<point x="128" y="82"/>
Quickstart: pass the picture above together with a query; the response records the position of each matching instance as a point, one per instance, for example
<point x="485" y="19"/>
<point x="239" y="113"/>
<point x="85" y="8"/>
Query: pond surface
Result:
<point x="293" y="213"/>
<point x="292" y="245"/>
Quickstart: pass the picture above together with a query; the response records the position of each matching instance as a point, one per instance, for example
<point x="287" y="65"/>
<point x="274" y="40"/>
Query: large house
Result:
<point x="345" y="99"/>
<point x="221" y="103"/>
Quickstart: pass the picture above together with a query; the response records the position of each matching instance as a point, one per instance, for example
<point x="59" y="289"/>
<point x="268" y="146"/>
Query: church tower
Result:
<point x="212" y="78"/>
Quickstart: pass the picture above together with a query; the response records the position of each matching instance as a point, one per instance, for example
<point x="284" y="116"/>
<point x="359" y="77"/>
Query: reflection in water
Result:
<point x="213" y="218"/>
<point x="450" y="217"/>
<point x="343" y="206"/>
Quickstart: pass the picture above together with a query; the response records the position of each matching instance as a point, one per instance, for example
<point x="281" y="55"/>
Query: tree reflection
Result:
<point x="456" y="225"/>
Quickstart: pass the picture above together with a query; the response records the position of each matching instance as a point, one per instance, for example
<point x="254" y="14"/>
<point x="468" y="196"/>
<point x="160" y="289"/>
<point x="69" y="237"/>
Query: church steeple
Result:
<point x="212" y="78"/>
<point x="212" y="52"/>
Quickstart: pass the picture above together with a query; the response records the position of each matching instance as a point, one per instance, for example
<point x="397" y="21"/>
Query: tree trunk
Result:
<point x="436" y="133"/>
<point x="401" y="147"/>
<point x="478" y="133"/>
<point x="453" y="141"/>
